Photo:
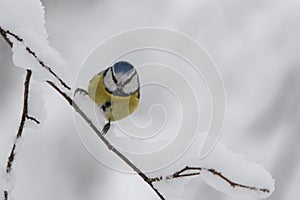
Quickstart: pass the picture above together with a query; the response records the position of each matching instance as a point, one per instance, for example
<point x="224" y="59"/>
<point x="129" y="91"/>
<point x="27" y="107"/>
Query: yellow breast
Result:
<point x="114" y="107"/>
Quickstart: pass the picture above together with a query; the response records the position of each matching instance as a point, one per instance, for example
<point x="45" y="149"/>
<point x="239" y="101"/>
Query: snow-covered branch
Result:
<point x="11" y="157"/>
<point x="185" y="172"/>
<point x="22" y="123"/>
<point x="4" y="33"/>
<point x="195" y="171"/>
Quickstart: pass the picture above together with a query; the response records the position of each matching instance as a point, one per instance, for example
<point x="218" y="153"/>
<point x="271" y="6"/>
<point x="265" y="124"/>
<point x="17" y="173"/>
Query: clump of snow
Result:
<point x="23" y="59"/>
<point x="235" y="167"/>
<point x="26" y="20"/>
<point x="230" y="164"/>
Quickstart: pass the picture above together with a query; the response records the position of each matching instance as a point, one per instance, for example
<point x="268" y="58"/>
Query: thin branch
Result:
<point x="33" y="119"/>
<point x="195" y="171"/>
<point x="48" y="68"/>
<point x="5" y="195"/>
<point x="104" y="140"/>
<point x="22" y="123"/>
<point x="14" y="35"/>
<point x="11" y="156"/>
<point x="4" y="34"/>
<point x="234" y="184"/>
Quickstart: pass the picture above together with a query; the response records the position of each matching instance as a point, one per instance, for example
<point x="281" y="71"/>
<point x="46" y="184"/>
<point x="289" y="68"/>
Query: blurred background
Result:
<point x="255" y="45"/>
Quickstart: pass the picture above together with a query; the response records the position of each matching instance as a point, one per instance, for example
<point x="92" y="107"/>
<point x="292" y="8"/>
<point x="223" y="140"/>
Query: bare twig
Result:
<point x="11" y="156"/>
<point x="104" y="140"/>
<point x="33" y="119"/>
<point x="195" y="171"/>
<point x="5" y="195"/>
<point x="4" y="34"/>
<point x="22" y="123"/>
<point x="14" y="35"/>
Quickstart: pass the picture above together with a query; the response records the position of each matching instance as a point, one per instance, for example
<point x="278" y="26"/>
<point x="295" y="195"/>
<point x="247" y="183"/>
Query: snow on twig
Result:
<point x="197" y="171"/>
<point x="5" y="33"/>
<point x="12" y="154"/>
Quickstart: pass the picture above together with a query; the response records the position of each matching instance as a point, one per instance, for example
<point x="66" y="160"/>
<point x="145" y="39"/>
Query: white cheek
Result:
<point x="123" y="78"/>
<point x="131" y="86"/>
<point x="108" y="82"/>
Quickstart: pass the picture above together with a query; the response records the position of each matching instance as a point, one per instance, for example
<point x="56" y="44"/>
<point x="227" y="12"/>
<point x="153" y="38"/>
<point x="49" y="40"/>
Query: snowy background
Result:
<point x="255" y="45"/>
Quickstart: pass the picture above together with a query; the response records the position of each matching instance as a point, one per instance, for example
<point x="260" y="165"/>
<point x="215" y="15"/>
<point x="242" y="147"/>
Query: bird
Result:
<point x="116" y="91"/>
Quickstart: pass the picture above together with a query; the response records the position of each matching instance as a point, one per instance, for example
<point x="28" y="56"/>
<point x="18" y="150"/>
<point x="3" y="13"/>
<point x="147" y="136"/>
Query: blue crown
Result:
<point x="122" y="67"/>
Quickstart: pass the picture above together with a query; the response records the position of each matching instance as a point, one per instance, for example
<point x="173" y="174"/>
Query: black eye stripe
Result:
<point x="113" y="76"/>
<point x="127" y="81"/>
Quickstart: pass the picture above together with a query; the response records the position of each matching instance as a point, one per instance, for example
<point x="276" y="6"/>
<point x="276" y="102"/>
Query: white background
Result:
<point x="255" y="45"/>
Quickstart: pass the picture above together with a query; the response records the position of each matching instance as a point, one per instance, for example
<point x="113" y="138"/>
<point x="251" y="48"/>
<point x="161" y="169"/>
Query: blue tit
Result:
<point x="116" y="90"/>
